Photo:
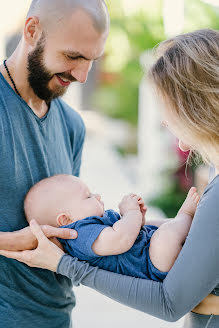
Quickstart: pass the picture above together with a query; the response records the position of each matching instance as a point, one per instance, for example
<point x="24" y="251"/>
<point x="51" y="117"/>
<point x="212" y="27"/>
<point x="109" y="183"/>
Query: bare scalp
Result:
<point x="51" y="12"/>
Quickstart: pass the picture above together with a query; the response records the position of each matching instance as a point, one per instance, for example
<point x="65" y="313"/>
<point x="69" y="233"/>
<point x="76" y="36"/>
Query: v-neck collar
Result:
<point x="27" y="107"/>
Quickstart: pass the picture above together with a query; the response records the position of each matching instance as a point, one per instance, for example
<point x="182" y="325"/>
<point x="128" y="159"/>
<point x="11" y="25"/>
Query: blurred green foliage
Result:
<point x="132" y="32"/>
<point x="170" y="201"/>
<point x="130" y="36"/>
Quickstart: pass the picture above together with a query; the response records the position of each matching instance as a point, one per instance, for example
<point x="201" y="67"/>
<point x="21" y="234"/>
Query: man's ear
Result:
<point x="32" y="30"/>
<point x="63" y="219"/>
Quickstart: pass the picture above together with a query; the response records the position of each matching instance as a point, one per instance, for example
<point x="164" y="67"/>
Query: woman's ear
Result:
<point x="63" y="219"/>
<point x="184" y="147"/>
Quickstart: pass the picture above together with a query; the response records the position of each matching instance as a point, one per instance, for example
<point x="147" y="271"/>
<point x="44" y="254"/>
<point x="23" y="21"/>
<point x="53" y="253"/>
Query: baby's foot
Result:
<point x="190" y="204"/>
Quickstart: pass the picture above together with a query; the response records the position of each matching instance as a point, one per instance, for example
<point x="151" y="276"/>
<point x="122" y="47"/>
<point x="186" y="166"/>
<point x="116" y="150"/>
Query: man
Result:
<point x="41" y="136"/>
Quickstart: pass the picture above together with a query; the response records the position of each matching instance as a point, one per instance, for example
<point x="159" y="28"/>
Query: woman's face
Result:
<point x="171" y="121"/>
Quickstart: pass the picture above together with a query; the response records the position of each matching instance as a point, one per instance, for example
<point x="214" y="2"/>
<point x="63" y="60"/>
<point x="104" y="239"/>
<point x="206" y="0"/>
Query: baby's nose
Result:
<point x="98" y="197"/>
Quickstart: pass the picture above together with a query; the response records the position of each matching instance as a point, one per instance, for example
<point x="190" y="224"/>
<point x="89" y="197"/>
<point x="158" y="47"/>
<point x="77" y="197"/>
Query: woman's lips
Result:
<point x="63" y="83"/>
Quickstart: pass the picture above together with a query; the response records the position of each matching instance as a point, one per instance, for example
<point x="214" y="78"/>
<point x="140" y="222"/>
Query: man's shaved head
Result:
<point x="53" y="12"/>
<point x="62" y="39"/>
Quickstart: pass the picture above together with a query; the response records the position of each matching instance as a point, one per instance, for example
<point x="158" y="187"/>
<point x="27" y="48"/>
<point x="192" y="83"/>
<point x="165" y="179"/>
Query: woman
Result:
<point x="186" y="76"/>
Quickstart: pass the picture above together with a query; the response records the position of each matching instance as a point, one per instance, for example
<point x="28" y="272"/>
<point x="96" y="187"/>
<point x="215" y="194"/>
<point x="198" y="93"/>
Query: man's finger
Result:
<point x="64" y="233"/>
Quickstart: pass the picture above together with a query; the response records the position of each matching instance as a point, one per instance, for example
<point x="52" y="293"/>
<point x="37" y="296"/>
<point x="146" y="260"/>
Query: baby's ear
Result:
<point x="63" y="219"/>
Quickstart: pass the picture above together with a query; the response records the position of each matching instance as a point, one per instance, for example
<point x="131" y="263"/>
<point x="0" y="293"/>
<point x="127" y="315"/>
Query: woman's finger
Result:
<point x="20" y="256"/>
<point x="36" y="231"/>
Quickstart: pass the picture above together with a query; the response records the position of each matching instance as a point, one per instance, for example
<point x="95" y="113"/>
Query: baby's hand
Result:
<point x="143" y="209"/>
<point x="129" y="203"/>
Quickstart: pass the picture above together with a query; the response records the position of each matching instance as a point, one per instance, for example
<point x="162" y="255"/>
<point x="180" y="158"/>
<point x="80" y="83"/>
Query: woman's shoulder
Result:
<point x="210" y="197"/>
<point x="213" y="186"/>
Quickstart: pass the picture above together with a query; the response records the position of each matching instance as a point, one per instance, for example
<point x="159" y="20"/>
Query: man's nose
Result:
<point x="80" y="72"/>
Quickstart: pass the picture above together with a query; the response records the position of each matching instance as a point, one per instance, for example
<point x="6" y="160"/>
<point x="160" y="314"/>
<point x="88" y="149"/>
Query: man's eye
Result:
<point x="71" y="58"/>
<point x="74" y="58"/>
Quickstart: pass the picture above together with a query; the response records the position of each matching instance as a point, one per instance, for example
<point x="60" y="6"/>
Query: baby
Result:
<point x="122" y="244"/>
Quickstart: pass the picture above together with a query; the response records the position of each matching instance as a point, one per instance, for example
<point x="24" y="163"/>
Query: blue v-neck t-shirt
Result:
<point x="33" y="148"/>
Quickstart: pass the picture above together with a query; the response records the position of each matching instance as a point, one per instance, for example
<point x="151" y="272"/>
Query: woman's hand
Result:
<point x="46" y="256"/>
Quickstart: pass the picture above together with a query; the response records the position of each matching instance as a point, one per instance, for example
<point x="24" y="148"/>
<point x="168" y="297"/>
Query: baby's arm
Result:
<point x="121" y="236"/>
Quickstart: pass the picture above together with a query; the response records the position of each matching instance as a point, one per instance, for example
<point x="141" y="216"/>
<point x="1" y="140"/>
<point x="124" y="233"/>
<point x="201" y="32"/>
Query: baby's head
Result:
<point x="60" y="200"/>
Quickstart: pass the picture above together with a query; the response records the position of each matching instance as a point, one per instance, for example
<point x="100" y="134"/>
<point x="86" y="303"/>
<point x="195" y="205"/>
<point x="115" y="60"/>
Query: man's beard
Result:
<point x="39" y="76"/>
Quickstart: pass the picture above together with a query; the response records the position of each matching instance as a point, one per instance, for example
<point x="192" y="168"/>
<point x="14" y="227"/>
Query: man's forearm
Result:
<point x="24" y="239"/>
<point x="18" y="240"/>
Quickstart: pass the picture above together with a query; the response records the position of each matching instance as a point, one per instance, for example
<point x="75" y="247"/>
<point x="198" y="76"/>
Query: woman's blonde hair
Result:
<point x="187" y="76"/>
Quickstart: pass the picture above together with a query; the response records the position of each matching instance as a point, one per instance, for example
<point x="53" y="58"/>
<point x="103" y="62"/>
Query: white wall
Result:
<point x="11" y="16"/>
<point x="154" y="142"/>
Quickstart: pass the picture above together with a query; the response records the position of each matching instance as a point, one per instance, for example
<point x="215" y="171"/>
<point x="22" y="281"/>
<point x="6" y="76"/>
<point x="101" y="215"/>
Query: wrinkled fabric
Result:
<point x="33" y="148"/>
<point x="135" y="262"/>
<point x="194" y="275"/>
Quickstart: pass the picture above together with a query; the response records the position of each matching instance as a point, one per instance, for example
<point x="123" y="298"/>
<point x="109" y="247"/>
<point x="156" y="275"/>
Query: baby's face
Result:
<point x="81" y="202"/>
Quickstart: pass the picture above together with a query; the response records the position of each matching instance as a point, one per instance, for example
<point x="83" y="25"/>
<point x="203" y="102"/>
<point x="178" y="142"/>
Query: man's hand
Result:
<point x="129" y="203"/>
<point x="24" y="239"/>
<point x="46" y="256"/>
<point x="56" y="242"/>
<point x="53" y="233"/>
<point x="63" y="233"/>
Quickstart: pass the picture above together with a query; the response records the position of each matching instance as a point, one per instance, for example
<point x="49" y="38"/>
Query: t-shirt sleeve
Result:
<point x="193" y="276"/>
<point x="88" y="230"/>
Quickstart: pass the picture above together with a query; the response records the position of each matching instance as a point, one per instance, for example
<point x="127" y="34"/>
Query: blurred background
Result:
<point x="127" y="149"/>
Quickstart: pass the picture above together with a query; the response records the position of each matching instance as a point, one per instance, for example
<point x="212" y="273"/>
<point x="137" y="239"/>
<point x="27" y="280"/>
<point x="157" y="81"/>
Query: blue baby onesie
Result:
<point x="135" y="262"/>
